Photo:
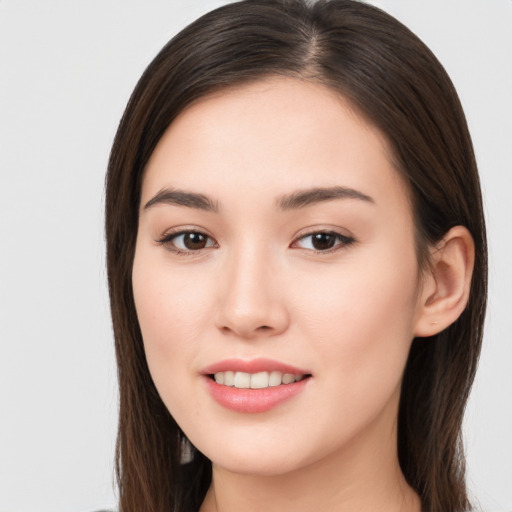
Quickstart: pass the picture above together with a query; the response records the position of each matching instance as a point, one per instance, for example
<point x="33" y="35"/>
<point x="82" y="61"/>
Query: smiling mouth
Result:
<point x="260" y="380"/>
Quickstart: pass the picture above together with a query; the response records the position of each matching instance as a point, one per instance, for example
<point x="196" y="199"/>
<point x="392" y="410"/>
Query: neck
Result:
<point x="364" y="475"/>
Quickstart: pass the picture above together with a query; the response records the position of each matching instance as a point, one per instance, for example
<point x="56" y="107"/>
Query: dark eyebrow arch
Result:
<point x="183" y="198"/>
<point x="308" y="197"/>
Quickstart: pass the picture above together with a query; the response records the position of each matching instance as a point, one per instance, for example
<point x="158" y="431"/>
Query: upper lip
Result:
<point x="253" y="366"/>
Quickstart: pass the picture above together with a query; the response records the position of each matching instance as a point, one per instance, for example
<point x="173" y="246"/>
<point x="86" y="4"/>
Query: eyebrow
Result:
<point x="293" y="201"/>
<point x="308" y="197"/>
<point x="182" y="198"/>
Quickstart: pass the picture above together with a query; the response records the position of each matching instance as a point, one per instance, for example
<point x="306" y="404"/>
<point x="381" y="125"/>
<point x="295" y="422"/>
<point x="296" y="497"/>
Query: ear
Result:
<point x="446" y="283"/>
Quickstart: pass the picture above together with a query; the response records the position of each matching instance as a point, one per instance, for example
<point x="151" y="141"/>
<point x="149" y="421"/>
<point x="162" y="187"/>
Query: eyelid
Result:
<point x="344" y="239"/>
<point x="166" y="239"/>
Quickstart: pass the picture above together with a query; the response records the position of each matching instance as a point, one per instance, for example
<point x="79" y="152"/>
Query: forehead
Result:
<point x="270" y="136"/>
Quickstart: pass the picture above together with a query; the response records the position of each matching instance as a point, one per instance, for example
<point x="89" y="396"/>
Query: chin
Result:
<point x="261" y="455"/>
<point x="260" y="465"/>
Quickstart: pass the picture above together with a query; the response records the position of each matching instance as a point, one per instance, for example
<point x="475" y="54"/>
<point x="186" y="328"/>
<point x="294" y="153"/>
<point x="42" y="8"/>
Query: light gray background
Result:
<point x="66" y="71"/>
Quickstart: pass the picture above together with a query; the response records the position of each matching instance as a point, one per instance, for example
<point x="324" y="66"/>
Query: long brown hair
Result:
<point x="393" y="80"/>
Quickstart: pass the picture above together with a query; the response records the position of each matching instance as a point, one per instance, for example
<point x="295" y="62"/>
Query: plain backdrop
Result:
<point x="66" y="71"/>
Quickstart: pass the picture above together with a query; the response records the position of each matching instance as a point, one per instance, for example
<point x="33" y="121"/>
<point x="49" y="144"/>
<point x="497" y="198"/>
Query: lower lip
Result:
<point x="254" y="400"/>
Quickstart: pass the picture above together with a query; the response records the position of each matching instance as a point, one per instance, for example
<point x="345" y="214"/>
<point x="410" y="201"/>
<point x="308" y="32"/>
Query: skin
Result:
<point x="259" y="288"/>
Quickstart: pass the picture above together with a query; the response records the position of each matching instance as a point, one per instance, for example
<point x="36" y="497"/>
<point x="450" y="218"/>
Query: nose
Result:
<point x="251" y="300"/>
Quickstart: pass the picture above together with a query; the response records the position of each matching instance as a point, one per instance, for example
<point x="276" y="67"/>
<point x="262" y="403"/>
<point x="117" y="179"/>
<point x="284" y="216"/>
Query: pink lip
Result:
<point x="252" y="366"/>
<point x="253" y="400"/>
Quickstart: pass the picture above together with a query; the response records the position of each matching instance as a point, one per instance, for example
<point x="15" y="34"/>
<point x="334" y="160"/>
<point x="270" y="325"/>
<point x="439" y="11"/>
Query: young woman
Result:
<point x="297" y="267"/>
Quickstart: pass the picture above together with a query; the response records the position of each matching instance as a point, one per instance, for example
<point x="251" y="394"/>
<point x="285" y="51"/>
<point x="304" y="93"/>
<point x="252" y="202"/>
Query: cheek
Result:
<point x="360" y="319"/>
<point x="168" y="299"/>
<point x="167" y="308"/>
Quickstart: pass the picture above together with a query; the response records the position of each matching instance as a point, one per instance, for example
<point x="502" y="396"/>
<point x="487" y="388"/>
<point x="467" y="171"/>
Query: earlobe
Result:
<point x="447" y="283"/>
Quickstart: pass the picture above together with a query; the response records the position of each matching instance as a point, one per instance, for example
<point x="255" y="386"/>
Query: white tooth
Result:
<point x="259" y="380"/>
<point x="242" y="380"/>
<point x="229" y="378"/>
<point x="275" y="378"/>
<point x="219" y="378"/>
<point x="298" y="377"/>
<point x="288" y="378"/>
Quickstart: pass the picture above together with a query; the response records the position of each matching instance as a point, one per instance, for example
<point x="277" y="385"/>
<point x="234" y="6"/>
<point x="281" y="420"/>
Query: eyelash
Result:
<point x="341" y="241"/>
<point x="168" y="238"/>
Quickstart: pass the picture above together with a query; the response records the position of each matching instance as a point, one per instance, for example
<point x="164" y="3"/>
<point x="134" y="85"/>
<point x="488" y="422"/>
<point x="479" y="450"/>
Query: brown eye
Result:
<point x="194" y="241"/>
<point x="186" y="241"/>
<point x="323" y="241"/>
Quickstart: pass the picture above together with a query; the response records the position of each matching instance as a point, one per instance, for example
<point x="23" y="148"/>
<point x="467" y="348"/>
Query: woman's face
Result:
<point x="276" y="244"/>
